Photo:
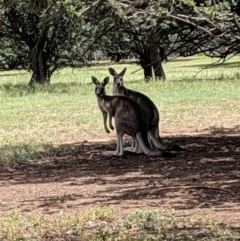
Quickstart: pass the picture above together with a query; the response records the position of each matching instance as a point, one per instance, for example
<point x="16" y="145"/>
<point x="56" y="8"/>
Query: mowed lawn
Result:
<point x="193" y="100"/>
<point x="54" y="188"/>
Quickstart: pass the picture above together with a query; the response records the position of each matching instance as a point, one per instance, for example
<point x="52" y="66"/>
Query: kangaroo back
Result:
<point x="144" y="101"/>
<point x="130" y="118"/>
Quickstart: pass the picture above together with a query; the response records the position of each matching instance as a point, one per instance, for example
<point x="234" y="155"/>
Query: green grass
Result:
<point x="99" y="223"/>
<point x="66" y="111"/>
<point x="42" y="122"/>
<point x="41" y="227"/>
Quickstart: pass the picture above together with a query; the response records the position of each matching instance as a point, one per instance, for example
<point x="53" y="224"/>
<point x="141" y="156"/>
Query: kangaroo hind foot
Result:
<point x="135" y="147"/>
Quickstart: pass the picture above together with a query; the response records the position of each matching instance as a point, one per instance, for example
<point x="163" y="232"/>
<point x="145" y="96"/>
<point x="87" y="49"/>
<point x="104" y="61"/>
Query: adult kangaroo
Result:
<point x="145" y="102"/>
<point x="130" y="119"/>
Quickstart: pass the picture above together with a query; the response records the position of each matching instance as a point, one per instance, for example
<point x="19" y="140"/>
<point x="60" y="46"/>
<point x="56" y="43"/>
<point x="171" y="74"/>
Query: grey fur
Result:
<point x="129" y="117"/>
<point x="145" y="102"/>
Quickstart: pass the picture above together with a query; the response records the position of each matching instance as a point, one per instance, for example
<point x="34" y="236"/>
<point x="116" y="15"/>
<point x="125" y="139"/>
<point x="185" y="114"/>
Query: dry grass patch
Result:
<point x="99" y="223"/>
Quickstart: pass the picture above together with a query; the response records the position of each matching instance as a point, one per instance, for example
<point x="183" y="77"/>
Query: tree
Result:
<point x="220" y="19"/>
<point x="157" y="29"/>
<point x="45" y="35"/>
<point x="137" y="32"/>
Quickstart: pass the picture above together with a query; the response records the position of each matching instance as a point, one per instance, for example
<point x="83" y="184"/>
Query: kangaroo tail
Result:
<point x="157" y="141"/>
<point x="143" y="141"/>
<point x="156" y="132"/>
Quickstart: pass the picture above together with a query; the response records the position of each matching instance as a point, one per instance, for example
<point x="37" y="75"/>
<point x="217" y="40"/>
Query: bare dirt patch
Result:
<point x="204" y="179"/>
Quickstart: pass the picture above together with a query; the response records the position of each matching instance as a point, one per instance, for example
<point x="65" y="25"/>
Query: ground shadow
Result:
<point x="205" y="175"/>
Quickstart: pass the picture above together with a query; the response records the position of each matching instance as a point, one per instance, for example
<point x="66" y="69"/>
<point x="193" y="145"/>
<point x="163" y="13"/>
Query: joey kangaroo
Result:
<point x="145" y="102"/>
<point x="129" y="117"/>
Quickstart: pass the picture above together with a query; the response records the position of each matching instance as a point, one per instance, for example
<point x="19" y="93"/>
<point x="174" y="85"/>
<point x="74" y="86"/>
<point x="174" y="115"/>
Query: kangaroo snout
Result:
<point x="100" y="91"/>
<point x="99" y="94"/>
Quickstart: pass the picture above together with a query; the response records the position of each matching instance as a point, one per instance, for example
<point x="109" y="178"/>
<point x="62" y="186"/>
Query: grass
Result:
<point x="40" y="226"/>
<point x="99" y="223"/>
<point x="66" y="111"/>
<point x="43" y="122"/>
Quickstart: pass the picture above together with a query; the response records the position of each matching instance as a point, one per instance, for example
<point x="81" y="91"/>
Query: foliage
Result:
<point x="181" y="27"/>
<point x="157" y="30"/>
<point x="44" y="36"/>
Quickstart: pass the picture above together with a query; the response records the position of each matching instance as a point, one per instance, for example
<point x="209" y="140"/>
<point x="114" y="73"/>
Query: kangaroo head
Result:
<point x="117" y="78"/>
<point x="100" y="87"/>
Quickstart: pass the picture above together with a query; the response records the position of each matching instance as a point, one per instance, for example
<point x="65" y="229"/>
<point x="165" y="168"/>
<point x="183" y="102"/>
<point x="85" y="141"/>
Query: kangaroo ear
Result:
<point x="122" y="72"/>
<point x="106" y="80"/>
<point x="112" y="71"/>
<point x="95" y="80"/>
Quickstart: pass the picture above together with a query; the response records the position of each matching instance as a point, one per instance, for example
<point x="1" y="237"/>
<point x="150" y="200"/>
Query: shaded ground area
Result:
<point x="204" y="179"/>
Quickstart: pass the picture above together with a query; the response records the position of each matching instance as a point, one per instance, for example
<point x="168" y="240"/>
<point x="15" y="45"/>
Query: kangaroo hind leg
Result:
<point x="119" y="150"/>
<point x="156" y="140"/>
<point x="145" y="145"/>
<point x="135" y="146"/>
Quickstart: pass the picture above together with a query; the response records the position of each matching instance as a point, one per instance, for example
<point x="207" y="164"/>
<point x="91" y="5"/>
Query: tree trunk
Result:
<point x="39" y="67"/>
<point x="118" y="57"/>
<point x="151" y="61"/>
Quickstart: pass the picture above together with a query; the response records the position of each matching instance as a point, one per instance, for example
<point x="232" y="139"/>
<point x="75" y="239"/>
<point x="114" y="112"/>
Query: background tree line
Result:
<point x="45" y="35"/>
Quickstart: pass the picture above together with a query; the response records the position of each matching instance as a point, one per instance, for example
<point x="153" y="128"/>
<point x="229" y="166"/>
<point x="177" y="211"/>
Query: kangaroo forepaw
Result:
<point x="112" y="128"/>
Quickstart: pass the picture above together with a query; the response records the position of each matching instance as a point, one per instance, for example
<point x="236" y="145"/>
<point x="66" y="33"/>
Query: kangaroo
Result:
<point x="145" y="102"/>
<point x="129" y="117"/>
